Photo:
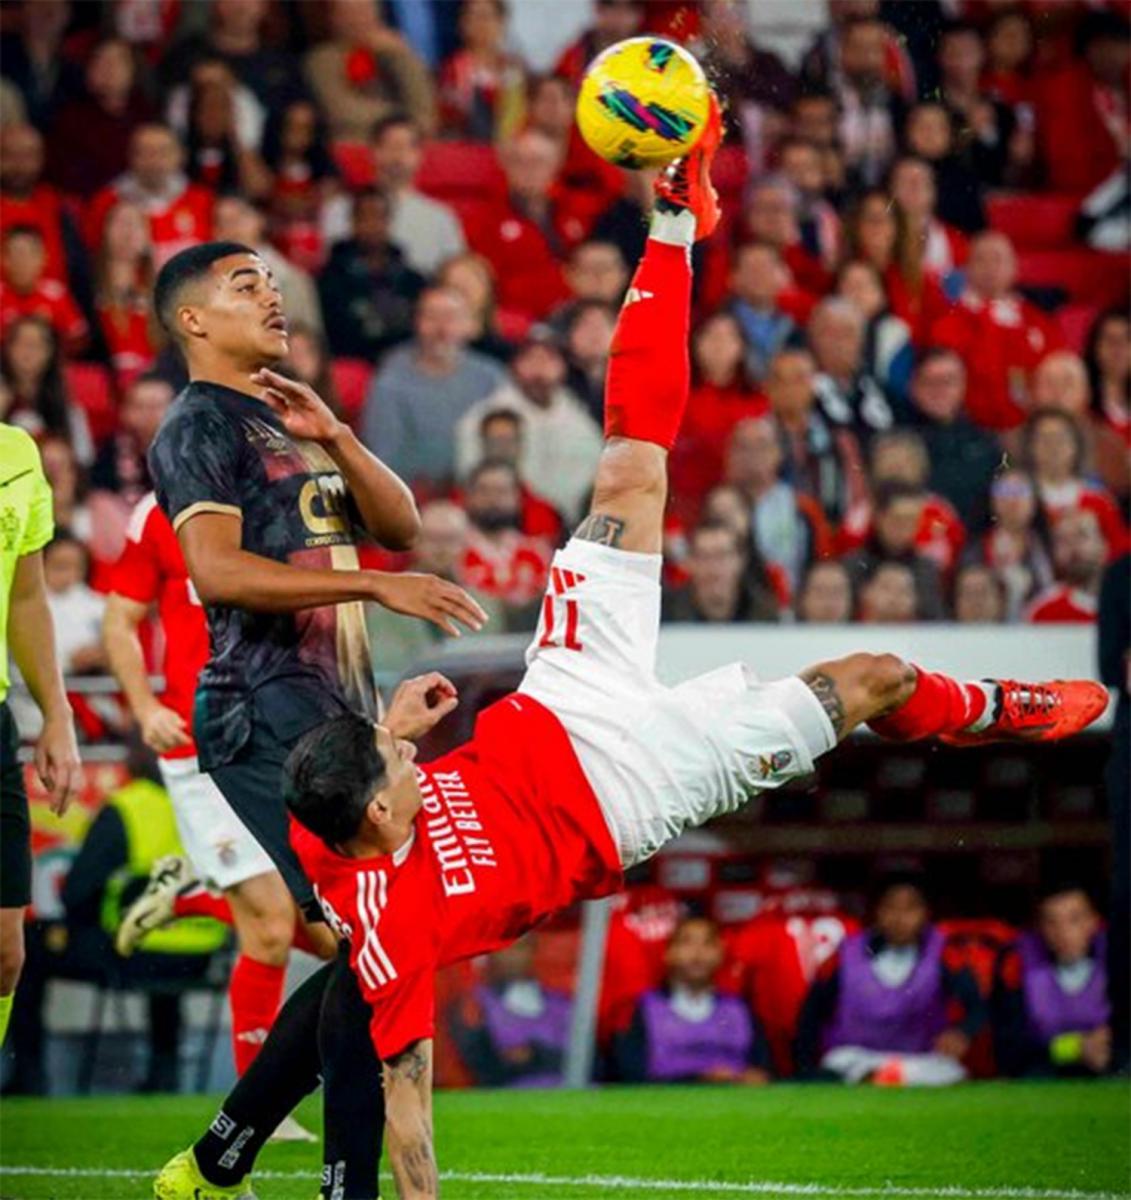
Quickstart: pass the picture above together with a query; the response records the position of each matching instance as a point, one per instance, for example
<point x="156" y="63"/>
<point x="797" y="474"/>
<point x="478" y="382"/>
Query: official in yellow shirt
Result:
<point x="26" y="526"/>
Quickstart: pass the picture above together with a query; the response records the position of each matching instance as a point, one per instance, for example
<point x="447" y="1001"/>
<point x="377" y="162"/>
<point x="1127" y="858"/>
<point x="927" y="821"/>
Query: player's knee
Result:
<point x="11" y="964"/>
<point x="267" y="937"/>
<point x="629" y="469"/>
<point x="888" y="679"/>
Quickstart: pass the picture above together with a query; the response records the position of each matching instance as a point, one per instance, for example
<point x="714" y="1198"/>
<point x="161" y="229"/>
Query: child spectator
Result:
<point x="962" y="457"/>
<point x="878" y="1010"/>
<point x="1079" y="554"/>
<point x="31" y="366"/>
<point x="561" y="442"/>
<point x="721" y="588"/>
<point x="482" y="86"/>
<point x="688" y="1031"/>
<point x="821" y="460"/>
<point x="1050" y="1005"/>
<point x="887" y="353"/>
<point x="123" y="290"/>
<point x="999" y="336"/>
<point x="296" y="152"/>
<point x="90" y="135"/>
<point x="1013" y="546"/>
<point x="499" y="559"/>
<point x="367" y="290"/>
<point x="511" y="1031"/>
<point x="787" y="527"/>
<point x="365" y="72"/>
<point x="423" y="388"/>
<point x="472" y="276"/>
<point x="1054" y="448"/>
<point x="825" y="596"/>
<point x="979" y="596"/>
<point x="721" y="396"/>
<point x="26" y="292"/>
<point x="179" y="212"/>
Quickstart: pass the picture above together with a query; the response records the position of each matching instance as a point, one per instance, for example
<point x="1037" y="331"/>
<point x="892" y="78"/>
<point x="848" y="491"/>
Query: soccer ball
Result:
<point x="643" y="102"/>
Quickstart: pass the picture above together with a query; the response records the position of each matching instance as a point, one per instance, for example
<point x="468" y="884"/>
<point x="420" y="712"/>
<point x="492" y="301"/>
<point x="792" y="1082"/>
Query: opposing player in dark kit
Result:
<point x="592" y="765"/>
<point x="269" y="493"/>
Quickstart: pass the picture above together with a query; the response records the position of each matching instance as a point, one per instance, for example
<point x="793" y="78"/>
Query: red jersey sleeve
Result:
<point x="137" y="574"/>
<point x="404" y="1010"/>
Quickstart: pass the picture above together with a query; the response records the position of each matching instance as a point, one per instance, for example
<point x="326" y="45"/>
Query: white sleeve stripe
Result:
<point x="377" y="881"/>
<point x="140" y="515"/>
<point x="370" y="974"/>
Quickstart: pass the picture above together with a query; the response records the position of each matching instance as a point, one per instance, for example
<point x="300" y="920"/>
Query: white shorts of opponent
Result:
<point x="222" y="851"/>
<point x="660" y="759"/>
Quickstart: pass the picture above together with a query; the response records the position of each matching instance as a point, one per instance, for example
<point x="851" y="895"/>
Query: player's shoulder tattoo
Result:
<point x="601" y="528"/>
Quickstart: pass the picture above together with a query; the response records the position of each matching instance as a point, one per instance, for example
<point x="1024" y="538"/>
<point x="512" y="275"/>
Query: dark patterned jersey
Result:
<point x="223" y="451"/>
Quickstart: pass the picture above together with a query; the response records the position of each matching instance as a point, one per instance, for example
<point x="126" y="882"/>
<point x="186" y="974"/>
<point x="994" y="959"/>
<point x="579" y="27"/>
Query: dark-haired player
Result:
<point x="268" y="493"/>
<point x="593" y="764"/>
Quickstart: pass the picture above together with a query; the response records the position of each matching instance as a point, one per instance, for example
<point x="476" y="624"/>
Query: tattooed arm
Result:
<point x="408" y="1122"/>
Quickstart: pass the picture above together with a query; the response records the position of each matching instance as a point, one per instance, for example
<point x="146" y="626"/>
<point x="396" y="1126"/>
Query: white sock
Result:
<point x="990" y="711"/>
<point x="673" y="228"/>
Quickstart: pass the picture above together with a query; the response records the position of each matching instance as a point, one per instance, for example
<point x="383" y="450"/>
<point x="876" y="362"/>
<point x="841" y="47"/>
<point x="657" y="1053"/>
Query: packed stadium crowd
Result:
<point x="911" y="355"/>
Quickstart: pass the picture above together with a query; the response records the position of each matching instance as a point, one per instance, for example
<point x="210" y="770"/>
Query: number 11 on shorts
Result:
<point x="552" y="628"/>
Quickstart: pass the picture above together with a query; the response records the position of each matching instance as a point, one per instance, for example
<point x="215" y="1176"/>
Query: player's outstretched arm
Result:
<point x="224" y="573"/>
<point x="385" y="502"/>
<point x="408" y="1122"/>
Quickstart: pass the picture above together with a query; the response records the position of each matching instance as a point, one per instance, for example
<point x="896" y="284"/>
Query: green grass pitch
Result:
<point x="1056" y="1141"/>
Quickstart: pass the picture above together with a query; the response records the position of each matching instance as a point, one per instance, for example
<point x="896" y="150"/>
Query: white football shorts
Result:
<point x="222" y="850"/>
<point x="660" y="759"/>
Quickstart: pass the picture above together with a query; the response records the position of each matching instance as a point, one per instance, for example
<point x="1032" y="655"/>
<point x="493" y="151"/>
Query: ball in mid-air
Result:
<point x="643" y="102"/>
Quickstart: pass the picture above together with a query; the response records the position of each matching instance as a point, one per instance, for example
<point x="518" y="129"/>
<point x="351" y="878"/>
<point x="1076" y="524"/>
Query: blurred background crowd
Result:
<point x="911" y="351"/>
<point x="911" y="363"/>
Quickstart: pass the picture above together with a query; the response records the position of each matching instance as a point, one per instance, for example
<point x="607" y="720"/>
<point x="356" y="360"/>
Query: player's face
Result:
<point x="400" y="796"/>
<point x="241" y="311"/>
<point x="901" y="915"/>
<point x="1068" y="923"/>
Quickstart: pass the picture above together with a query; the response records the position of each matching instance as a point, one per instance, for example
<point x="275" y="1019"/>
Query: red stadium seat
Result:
<point x="355" y="161"/>
<point x="460" y="169"/>
<point x="1088" y="276"/>
<point x="1076" y="320"/>
<point x="1035" y="222"/>
<point x="91" y="387"/>
<point x="351" y="381"/>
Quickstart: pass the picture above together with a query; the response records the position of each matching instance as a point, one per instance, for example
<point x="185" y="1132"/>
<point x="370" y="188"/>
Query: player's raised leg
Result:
<point x="649" y="369"/>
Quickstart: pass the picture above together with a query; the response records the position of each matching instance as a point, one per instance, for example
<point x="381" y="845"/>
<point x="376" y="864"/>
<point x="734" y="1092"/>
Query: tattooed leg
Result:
<point x="860" y="688"/>
<point x="408" y="1122"/>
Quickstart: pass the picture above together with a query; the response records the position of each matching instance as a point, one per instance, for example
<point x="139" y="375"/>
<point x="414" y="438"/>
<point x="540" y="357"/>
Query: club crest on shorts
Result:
<point x="774" y="764"/>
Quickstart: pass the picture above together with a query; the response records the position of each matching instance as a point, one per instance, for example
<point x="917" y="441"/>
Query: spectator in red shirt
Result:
<point x="522" y="236"/>
<point x="772" y="216"/>
<point x="1079" y="554"/>
<point x="482" y="86"/>
<point x="888" y="595"/>
<point x="718" y="589"/>
<point x="1009" y="49"/>
<point x="1000" y="336"/>
<point x="26" y="200"/>
<point x="26" y="292"/>
<point x="1082" y="108"/>
<point x="35" y="389"/>
<point x="721" y="396"/>
<point x="787" y="527"/>
<point x="124" y="290"/>
<point x="1054" y="450"/>
<point x="825" y="596"/>
<point x="613" y="21"/>
<point x="179" y="212"/>
<point x="90" y="135"/>
<point x="1108" y="360"/>
<point x="979" y="596"/>
<point x="820" y="460"/>
<point x="499" y="559"/>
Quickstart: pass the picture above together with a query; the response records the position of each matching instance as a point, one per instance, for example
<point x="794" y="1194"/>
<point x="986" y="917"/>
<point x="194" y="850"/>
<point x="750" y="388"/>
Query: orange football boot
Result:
<point x="1038" y="712"/>
<point x="686" y="182"/>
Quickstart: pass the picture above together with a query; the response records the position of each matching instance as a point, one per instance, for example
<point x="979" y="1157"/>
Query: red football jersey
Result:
<point x="1062" y="603"/>
<point x="152" y="570"/>
<point x="509" y="832"/>
<point x="51" y="301"/>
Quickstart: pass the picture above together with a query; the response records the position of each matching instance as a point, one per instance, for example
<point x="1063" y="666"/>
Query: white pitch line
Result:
<point x="624" y="1183"/>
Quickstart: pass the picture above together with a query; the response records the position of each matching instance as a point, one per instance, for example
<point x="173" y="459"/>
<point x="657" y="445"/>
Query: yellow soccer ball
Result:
<point x="643" y="102"/>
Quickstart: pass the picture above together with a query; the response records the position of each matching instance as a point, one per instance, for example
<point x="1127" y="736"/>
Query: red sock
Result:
<point x="938" y="704"/>
<point x="255" y="992"/>
<point x="203" y="904"/>
<point x="649" y="369"/>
